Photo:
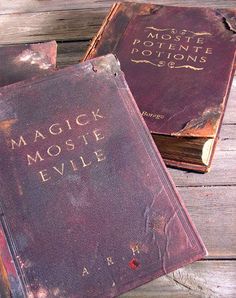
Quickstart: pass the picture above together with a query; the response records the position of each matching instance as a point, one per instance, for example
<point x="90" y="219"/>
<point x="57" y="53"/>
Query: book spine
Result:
<point x="10" y="283"/>
<point x="5" y="291"/>
<point x="98" y="36"/>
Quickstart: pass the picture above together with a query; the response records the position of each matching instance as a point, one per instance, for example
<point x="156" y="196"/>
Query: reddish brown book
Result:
<point x="179" y="64"/>
<point x="88" y="208"/>
<point x="25" y="61"/>
<point x="18" y="63"/>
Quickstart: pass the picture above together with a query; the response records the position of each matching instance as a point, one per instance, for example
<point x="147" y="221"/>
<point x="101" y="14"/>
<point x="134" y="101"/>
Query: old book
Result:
<point x="24" y="61"/>
<point x="87" y="206"/>
<point x="19" y="63"/>
<point x="179" y="64"/>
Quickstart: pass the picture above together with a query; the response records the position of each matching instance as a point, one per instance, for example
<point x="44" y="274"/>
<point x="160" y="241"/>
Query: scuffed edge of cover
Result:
<point x="97" y="37"/>
<point x="47" y="54"/>
<point x="202" y="168"/>
<point x="31" y="60"/>
<point x="144" y="133"/>
<point x="50" y="53"/>
<point x="147" y="140"/>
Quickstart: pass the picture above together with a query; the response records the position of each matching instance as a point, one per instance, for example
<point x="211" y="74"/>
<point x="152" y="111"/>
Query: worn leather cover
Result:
<point x="19" y="63"/>
<point x="178" y="62"/>
<point x="25" y="61"/>
<point x="88" y="207"/>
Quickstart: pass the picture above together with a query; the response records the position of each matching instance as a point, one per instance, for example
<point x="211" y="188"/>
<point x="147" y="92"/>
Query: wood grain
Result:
<point x="24" y="6"/>
<point x="223" y="172"/>
<point x="59" y="25"/>
<point x="213" y="210"/>
<point x="70" y="53"/>
<point x="202" y="279"/>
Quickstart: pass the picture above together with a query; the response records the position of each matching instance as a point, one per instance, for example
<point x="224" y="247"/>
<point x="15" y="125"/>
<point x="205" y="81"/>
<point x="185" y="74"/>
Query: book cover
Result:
<point x="179" y="64"/>
<point x="25" y="61"/>
<point x="87" y="205"/>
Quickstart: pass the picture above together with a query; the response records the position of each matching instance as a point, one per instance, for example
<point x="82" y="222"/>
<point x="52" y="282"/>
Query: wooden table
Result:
<point x="210" y="198"/>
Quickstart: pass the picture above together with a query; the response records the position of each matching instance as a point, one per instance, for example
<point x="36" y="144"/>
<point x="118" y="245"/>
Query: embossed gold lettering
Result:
<point x="34" y="159"/>
<point x="19" y="143"/>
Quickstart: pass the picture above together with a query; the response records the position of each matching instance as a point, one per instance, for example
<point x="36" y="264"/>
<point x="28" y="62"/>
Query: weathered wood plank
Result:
<point x="44" y="26"/>
<point x="32" y="21"/>
<point x="223" y="172"/>
<point x="21" y="6"/>
<point x="206" y="279"/>
<point x="227" y="138"/>
<point x="230" y="113"/>
<point x="70" y="53"/>
<point x="213" y="210"/>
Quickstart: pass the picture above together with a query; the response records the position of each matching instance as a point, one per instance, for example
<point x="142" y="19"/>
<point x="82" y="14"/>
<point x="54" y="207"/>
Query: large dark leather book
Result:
<point x="179" y="64"/>
<point x="25" y="61"/>
<point x="87" y="205"/>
